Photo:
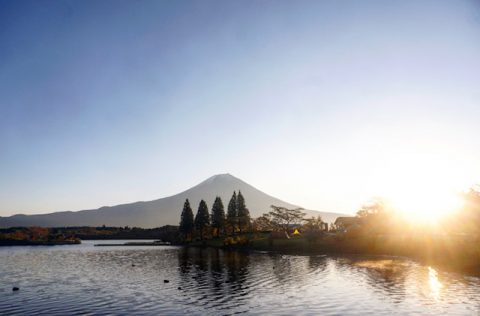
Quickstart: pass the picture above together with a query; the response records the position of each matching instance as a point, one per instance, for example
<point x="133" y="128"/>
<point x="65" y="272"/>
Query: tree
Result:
<point x="376" y="217"/>
<point x="314" y="227"/>
<point x="468" y="218"/>
<point x="263" y="223"/>
<point x="314" y="223"/>
<point x="218" y="216"/>
<point x="186" y="221"/>
<point x="202" y="219"/>
<point x="282" y="218"/>
<point x="232" y="214"/>
<point x="375" y="207"/>
<point x="243" y="215"/>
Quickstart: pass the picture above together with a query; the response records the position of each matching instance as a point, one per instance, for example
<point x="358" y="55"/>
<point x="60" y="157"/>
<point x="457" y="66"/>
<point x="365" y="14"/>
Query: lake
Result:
<point x="83" y="279"/>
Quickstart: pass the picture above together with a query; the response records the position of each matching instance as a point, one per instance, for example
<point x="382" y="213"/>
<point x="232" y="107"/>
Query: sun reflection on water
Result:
<point x="435" y="285"/>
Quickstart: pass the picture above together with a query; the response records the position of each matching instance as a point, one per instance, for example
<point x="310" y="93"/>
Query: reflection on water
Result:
<point x="124" y="280"/>
<point x="386" y="276"/>
<point x="435" y="285"/>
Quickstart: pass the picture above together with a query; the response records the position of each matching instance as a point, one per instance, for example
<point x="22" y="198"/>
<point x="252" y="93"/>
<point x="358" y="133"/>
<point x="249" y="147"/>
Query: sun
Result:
<point x="427" y="203"/>
<point x="423" y="189"/>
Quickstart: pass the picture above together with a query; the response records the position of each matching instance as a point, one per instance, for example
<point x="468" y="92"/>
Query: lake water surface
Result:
<point x="83" y="279"/>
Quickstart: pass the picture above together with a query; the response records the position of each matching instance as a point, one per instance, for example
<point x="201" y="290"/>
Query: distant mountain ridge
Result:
<point x="164" y="211"/>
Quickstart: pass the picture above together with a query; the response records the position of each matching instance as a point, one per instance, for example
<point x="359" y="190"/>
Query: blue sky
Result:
<point x="321" y="103"/>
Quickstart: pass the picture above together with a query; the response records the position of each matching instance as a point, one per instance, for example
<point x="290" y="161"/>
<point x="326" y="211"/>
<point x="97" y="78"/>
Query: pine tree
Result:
<point x="218" y="216"/>
<point x="202" y="219"/>
<point x="232" y="212"/>
<point x="243" y="214"/>
<point x="186" y="221"/>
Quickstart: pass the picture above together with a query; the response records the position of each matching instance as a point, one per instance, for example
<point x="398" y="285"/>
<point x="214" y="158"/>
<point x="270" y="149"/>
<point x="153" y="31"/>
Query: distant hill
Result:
<point x="162" y="211"/>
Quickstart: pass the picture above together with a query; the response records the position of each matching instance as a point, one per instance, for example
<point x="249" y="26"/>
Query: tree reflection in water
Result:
<point x="217" y="282"/>
<point x="243" y="281"/>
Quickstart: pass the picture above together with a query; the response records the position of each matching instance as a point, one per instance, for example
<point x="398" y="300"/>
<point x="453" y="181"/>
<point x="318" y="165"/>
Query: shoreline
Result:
<point x="439" y="258"/>
<point x="133" y="243"/>
<point x="6" y="243"/>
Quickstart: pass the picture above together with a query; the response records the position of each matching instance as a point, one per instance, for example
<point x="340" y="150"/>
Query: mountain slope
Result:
<point x="162" y="211"/>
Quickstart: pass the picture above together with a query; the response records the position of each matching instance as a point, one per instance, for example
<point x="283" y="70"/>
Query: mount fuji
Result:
<point x="164" y="211"/>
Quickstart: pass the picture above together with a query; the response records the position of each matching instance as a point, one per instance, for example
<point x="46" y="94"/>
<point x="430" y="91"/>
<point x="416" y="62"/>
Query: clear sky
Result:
<point x="323" y="104"/>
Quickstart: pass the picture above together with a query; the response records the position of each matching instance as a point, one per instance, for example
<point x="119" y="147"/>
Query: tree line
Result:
<point x="237" y="220"/>
<point x="205" y="224"/>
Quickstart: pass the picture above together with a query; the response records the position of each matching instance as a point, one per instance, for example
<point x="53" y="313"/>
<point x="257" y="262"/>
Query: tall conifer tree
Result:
<point x="218" y="216"/>
<point x="186" y="221"/>
<point x="202" y="219"/>
<point x="232" y="212"/>
<point x="243" y="214"/>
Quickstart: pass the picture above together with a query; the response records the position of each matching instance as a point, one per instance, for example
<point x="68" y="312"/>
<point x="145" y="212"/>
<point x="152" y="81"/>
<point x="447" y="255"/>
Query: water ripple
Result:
<point x="79" y="280"/>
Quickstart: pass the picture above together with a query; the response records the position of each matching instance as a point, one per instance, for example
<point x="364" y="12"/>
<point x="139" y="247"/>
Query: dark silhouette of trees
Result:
<point x="282" y="218"/>
<point x="35" y="235"/>
<point x="217" y="223"/>
<point x="218" y="217"/>
<point x="232" y="214"/>
<point x="376" y="218"/>
<point x="263" y="223"/>
<point x="314" y="228"/>
<point x="186" y="221"/>
<point x="374" y="208"/>
<point x="314" y="223"/>
<point x="243" y="215"/>
<point x="468" y="217"/>
<point x="202" y="219"/>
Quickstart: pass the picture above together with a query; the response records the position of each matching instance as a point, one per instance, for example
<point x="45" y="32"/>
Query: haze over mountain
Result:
<point x="162" y="211"/>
